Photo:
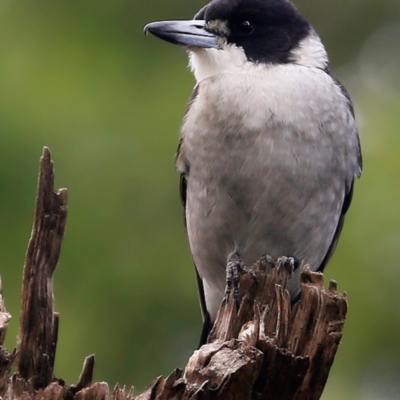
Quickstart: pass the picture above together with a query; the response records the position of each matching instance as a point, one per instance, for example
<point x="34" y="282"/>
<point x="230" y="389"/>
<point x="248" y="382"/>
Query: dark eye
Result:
<point x="245" y="28"/>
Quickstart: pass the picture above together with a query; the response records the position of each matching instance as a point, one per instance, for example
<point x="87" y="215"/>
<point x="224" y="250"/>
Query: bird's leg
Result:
<point x="287" y="262"/>
<point x="234" y="269"/>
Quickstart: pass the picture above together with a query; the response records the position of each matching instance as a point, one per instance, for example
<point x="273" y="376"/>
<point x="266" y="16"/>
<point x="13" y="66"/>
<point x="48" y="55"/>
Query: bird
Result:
<point x="269" y="149"/>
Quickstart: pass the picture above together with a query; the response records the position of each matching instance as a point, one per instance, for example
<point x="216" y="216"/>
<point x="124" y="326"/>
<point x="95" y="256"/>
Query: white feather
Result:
<point x="311" y="52"/>
<point x="209" y="62"/>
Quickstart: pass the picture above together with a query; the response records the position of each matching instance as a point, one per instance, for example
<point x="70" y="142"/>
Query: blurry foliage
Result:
<point x="80" y="77"/>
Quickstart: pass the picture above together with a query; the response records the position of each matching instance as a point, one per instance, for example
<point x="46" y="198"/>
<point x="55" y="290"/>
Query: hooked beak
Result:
<point x="184" y="33"/>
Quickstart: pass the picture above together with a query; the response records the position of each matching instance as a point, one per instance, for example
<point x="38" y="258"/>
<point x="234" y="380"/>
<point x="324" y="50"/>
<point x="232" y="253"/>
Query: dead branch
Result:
<point x="38" y="322"/>
<point x="260" y="348"/>
<point x="264" y="349"/>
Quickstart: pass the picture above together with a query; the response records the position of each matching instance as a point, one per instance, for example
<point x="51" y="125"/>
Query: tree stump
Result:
<point x="261" y="347"/>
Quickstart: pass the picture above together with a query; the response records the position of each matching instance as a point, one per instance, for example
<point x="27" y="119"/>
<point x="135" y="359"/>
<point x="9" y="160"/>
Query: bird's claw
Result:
<point x="288" y="263"/>
<point x="266" y="260"/>
<point x="235" y="268"/>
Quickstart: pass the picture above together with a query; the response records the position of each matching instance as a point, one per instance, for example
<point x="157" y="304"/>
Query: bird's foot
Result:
<point x="266" y="260"/>
<point x="235" y="268"/>
<point x="289" y="263"/>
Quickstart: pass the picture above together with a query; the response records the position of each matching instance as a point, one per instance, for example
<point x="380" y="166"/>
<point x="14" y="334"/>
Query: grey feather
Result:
<point x="276" y="184"/>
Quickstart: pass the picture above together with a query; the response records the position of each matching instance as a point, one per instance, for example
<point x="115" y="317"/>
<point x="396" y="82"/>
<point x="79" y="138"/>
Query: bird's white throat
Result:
<point x="209" y="62"/>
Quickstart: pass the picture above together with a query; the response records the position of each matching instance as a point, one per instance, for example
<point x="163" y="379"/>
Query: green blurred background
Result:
<point x="81" y="78"/>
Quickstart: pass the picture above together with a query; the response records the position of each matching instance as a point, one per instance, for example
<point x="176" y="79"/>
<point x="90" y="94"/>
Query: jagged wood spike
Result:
<point x="38" y="325"/>
<point x="261" y="347"/>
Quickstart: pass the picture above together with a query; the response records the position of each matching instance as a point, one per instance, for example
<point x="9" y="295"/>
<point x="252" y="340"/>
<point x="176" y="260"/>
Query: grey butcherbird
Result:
<point x="269" y="149"/>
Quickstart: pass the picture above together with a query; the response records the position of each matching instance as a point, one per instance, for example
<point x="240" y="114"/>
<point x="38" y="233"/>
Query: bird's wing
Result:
<point x="184" y="176"/>
<point x="349" y="193"/>
<point x="332" y="247"/>
<point x="205" y="314"/>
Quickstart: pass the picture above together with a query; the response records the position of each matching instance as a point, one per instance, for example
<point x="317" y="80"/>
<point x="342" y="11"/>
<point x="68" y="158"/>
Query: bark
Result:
<point x="261" y="347"/>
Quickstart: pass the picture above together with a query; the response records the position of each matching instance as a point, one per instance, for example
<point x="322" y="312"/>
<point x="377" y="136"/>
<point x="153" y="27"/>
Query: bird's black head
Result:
<point x="229" y="33"/>
<point x="267" y="30"/>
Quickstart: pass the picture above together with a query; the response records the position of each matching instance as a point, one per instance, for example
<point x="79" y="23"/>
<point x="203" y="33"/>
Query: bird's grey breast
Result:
<point x="268" y="154"/>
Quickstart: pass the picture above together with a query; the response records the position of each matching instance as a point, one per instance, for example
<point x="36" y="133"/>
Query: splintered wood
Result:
<point x="261" y="347"/>
<point x="38" y="321"/>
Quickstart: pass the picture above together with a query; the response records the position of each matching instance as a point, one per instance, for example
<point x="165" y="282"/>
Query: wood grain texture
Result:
<point x="38" y="323"/>
<point x="261" y="346"/>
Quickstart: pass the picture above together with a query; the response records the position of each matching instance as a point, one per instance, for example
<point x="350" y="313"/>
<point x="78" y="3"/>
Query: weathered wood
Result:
<point x="264" y="349"/>
<point x="38" y="323"/>
<point x="6" y="359"/>
<point x="261" y="347"/>
<point x="86" y="376"/>
<point x="4" y="317"/>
